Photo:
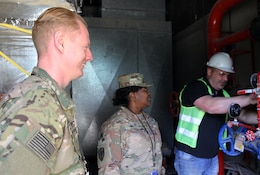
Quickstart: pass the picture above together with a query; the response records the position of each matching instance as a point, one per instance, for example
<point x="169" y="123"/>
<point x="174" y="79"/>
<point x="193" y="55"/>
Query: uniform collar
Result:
<point x="64" y="99"/>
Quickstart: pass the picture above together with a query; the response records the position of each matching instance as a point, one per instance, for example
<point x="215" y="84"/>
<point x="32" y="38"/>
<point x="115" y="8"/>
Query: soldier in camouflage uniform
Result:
<point x="38" y="132"/>
<point x="130" y="140"/>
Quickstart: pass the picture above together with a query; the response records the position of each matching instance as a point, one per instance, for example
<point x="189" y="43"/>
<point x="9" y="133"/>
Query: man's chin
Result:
<point x="79" y="75"/>
<point x="221" y="87"/>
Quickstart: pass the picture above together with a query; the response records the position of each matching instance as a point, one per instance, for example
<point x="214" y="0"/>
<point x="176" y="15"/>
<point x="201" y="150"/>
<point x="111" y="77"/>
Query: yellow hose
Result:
<point x="16" y="28"/>
<point x="5" y="56"/>
<point x="14" y="63"/>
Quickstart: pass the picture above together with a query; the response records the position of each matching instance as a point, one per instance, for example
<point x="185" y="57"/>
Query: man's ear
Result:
<point x="59" y="41"/>
<point x="209" y="70"/>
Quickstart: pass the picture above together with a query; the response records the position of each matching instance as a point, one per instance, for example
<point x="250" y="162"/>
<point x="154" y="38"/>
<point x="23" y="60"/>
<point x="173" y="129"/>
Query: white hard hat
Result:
<point x="222" y="61"/>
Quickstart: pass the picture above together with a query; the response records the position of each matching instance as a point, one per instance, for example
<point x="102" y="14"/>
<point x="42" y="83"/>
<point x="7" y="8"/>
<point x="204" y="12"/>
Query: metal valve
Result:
<point x="234" y="110"/>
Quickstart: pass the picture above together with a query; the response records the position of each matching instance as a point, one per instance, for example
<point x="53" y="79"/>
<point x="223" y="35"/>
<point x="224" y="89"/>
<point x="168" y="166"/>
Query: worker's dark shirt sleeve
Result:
<point x="193" y="91"/>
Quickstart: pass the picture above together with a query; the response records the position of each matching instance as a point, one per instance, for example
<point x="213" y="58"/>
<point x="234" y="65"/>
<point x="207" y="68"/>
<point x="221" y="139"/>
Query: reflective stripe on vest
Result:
<point x="189" y="121"/>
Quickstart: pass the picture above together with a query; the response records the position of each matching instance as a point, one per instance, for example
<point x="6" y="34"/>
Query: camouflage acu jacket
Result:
<point x="38" y="133"/>
<point x="129" y="144"/>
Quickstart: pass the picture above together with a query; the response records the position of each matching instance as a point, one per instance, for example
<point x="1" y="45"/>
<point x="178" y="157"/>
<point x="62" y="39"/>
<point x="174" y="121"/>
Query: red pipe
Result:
<point x="258" y="100"/>
<point x="215" y="43"/>
<point x="214" y="24"/>
<point x="221" y="166"/>
<point x="233" y="38"/>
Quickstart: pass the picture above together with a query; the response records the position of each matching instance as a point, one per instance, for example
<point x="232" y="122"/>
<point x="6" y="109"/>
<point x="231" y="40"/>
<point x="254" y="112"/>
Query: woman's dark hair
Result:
<point x="121" y="95"/>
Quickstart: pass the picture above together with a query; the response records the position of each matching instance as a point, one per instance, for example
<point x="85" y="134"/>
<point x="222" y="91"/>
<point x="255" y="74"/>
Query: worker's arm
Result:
<point x="220" y="105"/>
<point x="248" y="116"/>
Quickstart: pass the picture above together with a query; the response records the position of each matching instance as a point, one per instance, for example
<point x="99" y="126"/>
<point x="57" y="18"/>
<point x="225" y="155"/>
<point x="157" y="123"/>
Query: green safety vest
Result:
<point x="189" y="121"/>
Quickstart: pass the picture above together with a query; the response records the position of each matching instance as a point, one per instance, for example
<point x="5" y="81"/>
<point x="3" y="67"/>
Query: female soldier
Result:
<point x="130" y="140"/>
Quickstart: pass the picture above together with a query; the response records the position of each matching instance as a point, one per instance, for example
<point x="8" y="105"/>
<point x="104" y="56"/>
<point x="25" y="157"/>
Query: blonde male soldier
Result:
<point x="38" y="132"/>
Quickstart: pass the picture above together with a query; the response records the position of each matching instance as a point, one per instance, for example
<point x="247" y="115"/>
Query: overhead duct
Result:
<point x="17" y="52"/>
<point x="22" y="13"/>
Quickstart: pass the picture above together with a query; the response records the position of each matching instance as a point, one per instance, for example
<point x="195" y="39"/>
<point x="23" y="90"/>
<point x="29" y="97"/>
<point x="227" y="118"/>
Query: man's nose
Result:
<point x="89" y="55"/>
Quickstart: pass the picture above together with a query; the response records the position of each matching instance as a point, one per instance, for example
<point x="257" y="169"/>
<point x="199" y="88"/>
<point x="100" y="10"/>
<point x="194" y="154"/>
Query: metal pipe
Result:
<point x="215" y="21"/>
<point x="232" y="38"/>
<point x="214" y="36"/>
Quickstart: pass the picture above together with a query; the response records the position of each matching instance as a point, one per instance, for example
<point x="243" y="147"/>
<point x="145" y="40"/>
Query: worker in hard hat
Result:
<point x="204" y="104"/>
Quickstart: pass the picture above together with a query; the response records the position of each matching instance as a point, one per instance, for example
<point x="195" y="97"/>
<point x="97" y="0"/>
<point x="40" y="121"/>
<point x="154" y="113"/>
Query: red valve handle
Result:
<point x="245" y="91"/>
<point x="250" y="91"/>
<point x="250" y="135"/>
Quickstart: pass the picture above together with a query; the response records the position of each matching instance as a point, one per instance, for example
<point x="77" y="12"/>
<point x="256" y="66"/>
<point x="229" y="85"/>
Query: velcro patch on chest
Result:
<point x="41" y="145"/>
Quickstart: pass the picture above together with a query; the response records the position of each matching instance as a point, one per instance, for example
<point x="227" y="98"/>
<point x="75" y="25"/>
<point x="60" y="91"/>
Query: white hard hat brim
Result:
<point x="223" y="69"/>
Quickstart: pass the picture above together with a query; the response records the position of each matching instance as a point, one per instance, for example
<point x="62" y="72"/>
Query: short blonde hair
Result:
<point x="52" y="19"/>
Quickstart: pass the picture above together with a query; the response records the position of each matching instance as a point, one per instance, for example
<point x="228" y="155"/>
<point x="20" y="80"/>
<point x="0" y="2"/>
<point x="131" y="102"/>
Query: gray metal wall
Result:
<point x="136" y="39"/>
<point x="131" y="36"/>
<point x="120" y="47"/>
<point x="152" y="10"/>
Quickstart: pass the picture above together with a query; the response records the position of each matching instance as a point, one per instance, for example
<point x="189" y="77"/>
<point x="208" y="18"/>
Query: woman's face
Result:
<point x="143" y="97"/>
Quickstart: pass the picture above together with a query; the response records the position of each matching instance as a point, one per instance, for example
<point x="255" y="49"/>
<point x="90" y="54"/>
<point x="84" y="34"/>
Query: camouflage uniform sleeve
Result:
<point x="109" y="153"/>
<point x="18" y="128"/>
<point x="31" y="136"/>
